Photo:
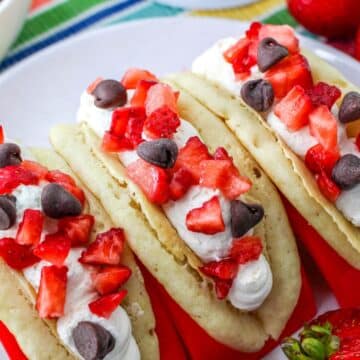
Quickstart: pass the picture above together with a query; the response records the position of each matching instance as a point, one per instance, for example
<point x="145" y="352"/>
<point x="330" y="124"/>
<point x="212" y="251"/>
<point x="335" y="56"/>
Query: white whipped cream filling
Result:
<point x="207" y="247"/>
<point x="80" y="290"/>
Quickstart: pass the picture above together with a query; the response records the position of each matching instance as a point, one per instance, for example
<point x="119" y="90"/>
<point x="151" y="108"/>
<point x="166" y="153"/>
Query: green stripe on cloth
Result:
<point x="281" y="17"/>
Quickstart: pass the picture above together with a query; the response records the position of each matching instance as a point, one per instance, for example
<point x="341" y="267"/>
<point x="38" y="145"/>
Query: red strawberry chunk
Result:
<point x="283" y="34"/>
<point x="34" y="167"/>
<point x="152" y="180"/>
<point x="50" y="300"/>
<point x="17" y="256"/>
<point x="107" y="304"/>
<point x="235" y="184"/>
<point x="106" y="249"/>
<point x="223" y="270"/>
<point x="206" y="219"/>
<point x="112" y="143"/>
<point x="54" y="249"/>
<point x="191" y="155"/>
<point x="221" y="154"/>
<point x="253" y="35"/>
<point x="291" y="71"/>
<point x="328" y="188"/>
<point x="357" y="141"/>
<point x="324" y="94"/>
<point x="158" y="96"/>
<point x="318" y="159"/>
<point x="110" y="279"/>
<point x="2" y="135"/>
<point x="134" y="75"/>
<point x="119" y="121"/>
<point x="141" y="91"/>
<point x="135" y="125"/>
<point x="13" y="176"/>
<point x="294" y="109"/>
<point x="30" y="229"/>
<point x="93" y="85"/>
<point x="222" y="288"/>
<point x="162" y="123"/>
<point x="323" y="126"/>
<point x="180" y="183"/>
<point x="357" y="44"/>
<point x="245" y="249"/>
<point x="77" y="228"/>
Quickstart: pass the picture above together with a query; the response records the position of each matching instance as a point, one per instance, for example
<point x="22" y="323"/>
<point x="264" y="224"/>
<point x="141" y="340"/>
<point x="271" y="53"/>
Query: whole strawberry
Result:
<point x="334" y="335"/>
<point x="330" y="18"/>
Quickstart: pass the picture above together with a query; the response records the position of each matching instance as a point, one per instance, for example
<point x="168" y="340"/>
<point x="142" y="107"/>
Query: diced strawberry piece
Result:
<point x="357" y="44"/>
<point x="134" y="75"/>
<point x="135" y="125"/>
<point x="235" y="184"/>
<point x="37" y="169"/>
<point x="191" y="155"/>
<point x="13" y="176"/>
<point x="180" y="183"/>
<point x="206" y="219"/>
<point x="119" y="121"/>
<point x="294" y="109"/>
<point x="112" y="143"/>
<point x="110" y="279"/>
<point x="253" y="32"/>
<point x="141" y="91"/>
<point x="223" y="270"/>
<point x="291" y="71"/>
<point x="324" y="94"/>
<point x="160" y="95"/>
<point x="2" y="135"/>
<point x="152" y="180"/>
<point x="106" y="249"/>
<point x="17" y="256"/>
<point x="30" y="229"/>
<point x="221" y="154"/>
<point x="77" y="228"/>
<point x="162" y="123"/>
<point x="50" y="300"/>
<point x="323" y="126"/>
<point x="283" y="34"/>
<point x="357" y="141"/>
<point x="222" y="288"/>
<point x="246" y="249"/>
<point x="328" y="188"/>
<point x="93" y="85"/>
<point x="318" y="159"/>
<point x="107" y="304"/>
<point x="54" y="249"/>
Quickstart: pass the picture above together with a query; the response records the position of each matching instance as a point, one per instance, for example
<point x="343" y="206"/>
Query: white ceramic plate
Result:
<point x="208" y="4"/>
<point x="45" y="89"/>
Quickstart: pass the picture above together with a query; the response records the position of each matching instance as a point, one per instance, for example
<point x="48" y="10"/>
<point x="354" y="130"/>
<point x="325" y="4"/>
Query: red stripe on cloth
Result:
<point x="10" y="344"/>
<point x="38" y="3"/>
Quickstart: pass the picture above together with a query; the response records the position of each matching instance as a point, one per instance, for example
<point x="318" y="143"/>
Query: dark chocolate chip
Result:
<point x="346" y="172"/>
<point x="258" y="94"/>
<point x="7" y="211"/>
<point x="269" y="53"/>
<point x="350" y="107"/>
<point x="244" y="217"/>
<point x="162" y="152"/>
<point x="57" y="202"/>
<point x="110" y="94"/>
<point x="92" y="341"/>
<point x="10" y="154"/>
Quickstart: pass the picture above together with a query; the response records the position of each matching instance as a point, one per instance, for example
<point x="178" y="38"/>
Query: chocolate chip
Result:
<point x="162" y="152"/>
<point x="258" y="94"/>
<point x="10" y="154"/>
<point x="350" y="107"/>
<point x="244" y="217"/>
<point x="7" y="211"/>
<point x="92" y="341"/>
<point x="346" y="172"/>
<point x="269" y="53"/>
<point x="57" y="202"/>
<point x="110" y="94"/>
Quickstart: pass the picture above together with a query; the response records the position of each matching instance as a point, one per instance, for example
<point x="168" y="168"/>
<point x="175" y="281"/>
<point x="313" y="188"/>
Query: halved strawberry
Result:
<point x="106" y="249"/>
<point x="140" y="94"/>
<point x="110" y="278"/>
<point x="294" y="109"/>
<point x="107" y="304"/>
<point x="37" y="169"/>
<point x="222" y="288"/>
<point x="77" y="228"/>
<point x="206" y="219"/>
<point x="324" y="94"/>
<point x="13" y="176"/>
<point x="328" y="188"/>
<point x="93" y="85"/>
<point x="318" y="159"/>
<point x="223" y="270"/>
<point x="134" y="75"/>
<point x="17" y="256"/>
<point x="2" y="135"/>
<point x="246" y="249"/>
<point x="191" y="155"/>
<point x="291" y="71"/>
<point x="161" y="123"/>
<point x="50" y="300"/>
<point x="158" y="96"/>
<point x="323" y="126"/>
<point x="30" y="229"/>
<point x="54" y="249"/>
<point x="180" y="183"/>
<point x="112" y="143"/>
<point x="152" y="180"/>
